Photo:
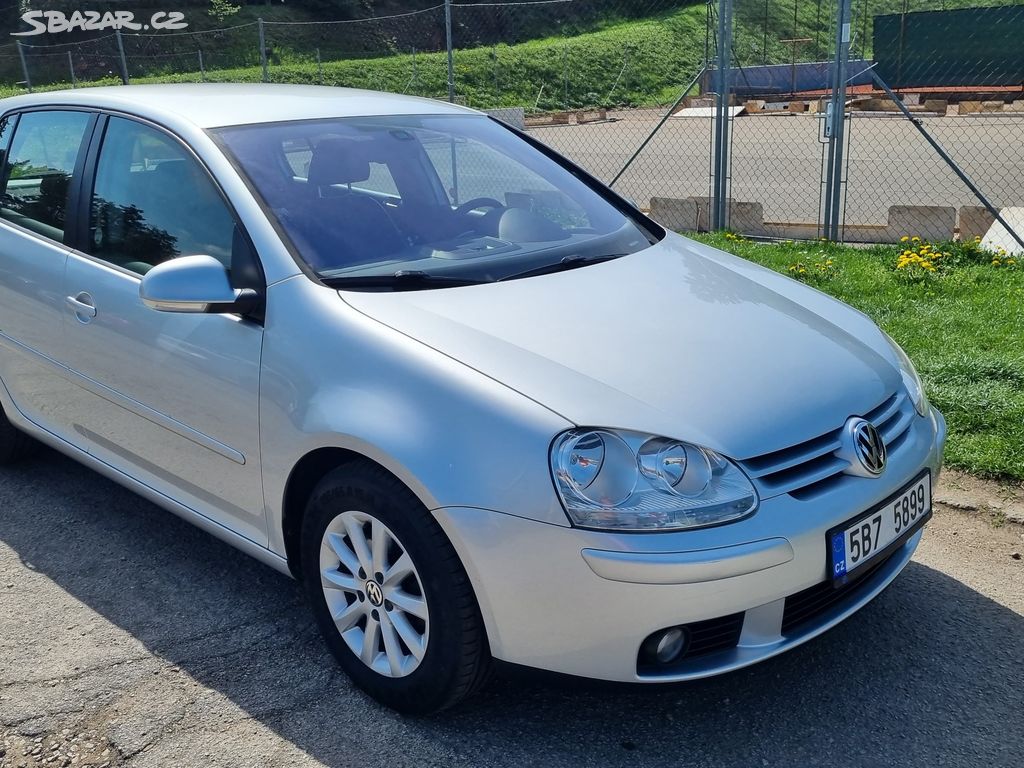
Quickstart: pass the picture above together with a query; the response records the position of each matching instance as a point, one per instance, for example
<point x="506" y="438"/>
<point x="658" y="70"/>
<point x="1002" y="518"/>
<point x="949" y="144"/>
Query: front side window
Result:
<point x="456" y="196"/>
<point x="152" y="201"/>
<point x="40" y="167"/>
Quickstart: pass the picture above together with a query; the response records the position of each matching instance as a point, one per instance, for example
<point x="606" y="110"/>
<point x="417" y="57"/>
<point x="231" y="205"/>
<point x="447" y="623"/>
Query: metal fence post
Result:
<point x="202" y="69"/>
<point x="263" y="50"/>
<point x="319" y="68"/>
<point x="448" y="45"/>
<point x="71" y="69"/>
<point x="497" y="86"/>
<point x="24" y="66"/>
<point x="835" y="124"/>
<point x="720" y="208"/>
<point x="565" y="77"/>
<point x="124" y="61"/>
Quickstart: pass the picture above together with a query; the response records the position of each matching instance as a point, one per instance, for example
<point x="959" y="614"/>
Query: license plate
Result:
<point x="858" y="542"/>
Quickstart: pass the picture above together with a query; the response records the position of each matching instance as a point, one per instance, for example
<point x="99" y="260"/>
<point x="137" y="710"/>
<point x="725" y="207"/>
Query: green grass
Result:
<point x="622" y="63"/>
<point x="962" y="327"/>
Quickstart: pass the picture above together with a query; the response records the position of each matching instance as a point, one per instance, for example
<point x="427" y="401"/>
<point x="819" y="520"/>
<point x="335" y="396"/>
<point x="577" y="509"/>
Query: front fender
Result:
<point x="334" y="378"/>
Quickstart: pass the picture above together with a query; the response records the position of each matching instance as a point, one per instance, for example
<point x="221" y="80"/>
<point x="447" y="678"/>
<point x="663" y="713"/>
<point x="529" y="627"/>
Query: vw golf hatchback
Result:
<point x="478" y="404"/>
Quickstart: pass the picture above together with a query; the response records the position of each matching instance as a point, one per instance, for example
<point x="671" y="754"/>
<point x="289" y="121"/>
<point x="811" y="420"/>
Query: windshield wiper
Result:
<point x="569" y="262"/>
<point x="403" y="280"/>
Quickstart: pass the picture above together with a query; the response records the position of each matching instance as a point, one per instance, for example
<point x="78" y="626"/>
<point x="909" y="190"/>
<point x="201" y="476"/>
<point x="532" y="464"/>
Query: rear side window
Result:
<point x="152" y="201"/>
<point x="41" y="164"/>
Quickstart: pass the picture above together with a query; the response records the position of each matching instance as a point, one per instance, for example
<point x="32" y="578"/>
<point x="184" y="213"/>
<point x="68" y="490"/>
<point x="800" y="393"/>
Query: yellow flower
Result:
<point x="905" y="239"/>
<point x="916" y="239"/>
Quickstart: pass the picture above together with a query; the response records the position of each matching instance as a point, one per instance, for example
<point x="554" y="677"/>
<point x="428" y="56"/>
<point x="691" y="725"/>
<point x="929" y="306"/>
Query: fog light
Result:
<point x="670" y="645"/>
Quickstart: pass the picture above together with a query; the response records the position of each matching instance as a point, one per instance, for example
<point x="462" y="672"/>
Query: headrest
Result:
<point x="173" y="172"/>
<point x="340" y="161"/>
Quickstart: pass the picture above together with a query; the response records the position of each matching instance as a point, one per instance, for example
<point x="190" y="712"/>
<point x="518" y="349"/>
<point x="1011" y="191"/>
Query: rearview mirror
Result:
<point x="194" y="284"/>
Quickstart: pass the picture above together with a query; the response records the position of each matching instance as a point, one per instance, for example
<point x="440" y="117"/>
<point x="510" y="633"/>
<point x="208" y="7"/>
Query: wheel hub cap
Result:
<point x="374" y="593"/>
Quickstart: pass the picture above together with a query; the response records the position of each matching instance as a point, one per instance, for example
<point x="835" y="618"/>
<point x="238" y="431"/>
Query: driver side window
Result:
<point x="152" y="201"/>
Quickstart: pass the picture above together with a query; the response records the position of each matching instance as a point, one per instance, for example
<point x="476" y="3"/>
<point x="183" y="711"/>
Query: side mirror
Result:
<point x="195" y="284"/>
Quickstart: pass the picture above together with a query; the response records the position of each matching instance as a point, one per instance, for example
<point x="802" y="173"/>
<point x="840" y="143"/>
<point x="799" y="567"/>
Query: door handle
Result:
<point x="82" y="305"/>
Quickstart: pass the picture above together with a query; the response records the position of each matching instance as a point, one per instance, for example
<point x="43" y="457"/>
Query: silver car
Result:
<point x="482" y="407"/>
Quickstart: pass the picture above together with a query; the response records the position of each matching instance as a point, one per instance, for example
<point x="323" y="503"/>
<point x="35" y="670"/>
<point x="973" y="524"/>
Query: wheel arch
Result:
<point x="305" y="475"/>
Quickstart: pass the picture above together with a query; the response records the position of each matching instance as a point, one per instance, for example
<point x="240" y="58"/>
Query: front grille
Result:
<point x="809" y="468"/>
<point x="812" y="602"/>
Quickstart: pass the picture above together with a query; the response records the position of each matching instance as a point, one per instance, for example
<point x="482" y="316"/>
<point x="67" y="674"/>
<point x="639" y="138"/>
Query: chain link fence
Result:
<point x="927" y="136"/>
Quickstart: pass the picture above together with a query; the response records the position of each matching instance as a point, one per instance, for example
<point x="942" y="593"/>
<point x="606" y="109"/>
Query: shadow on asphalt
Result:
<point x="930" y="673"/>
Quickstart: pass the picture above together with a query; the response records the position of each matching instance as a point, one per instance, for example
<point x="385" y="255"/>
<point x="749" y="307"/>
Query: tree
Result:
<point x="221" y="9"/>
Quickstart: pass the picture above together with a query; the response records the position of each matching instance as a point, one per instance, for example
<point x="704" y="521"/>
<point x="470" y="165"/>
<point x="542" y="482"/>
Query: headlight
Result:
<point x="631" y="481"/>
<point x="910" y="379"/>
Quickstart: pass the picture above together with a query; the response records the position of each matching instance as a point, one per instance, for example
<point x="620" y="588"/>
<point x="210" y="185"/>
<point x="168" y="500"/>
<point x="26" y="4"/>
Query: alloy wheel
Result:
<point x="374" y="593"/>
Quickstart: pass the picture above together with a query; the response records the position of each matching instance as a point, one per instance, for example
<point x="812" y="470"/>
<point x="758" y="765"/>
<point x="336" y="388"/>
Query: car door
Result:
<point x="41" y="163"/>
<point x="171" y="399"/>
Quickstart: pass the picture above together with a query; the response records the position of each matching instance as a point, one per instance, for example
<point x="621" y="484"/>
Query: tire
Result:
<point x="437" y="653"/>
<point x="15" y="445"/>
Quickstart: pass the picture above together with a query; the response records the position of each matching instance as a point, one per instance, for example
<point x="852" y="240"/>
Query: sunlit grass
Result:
<point x="963" y="327"/>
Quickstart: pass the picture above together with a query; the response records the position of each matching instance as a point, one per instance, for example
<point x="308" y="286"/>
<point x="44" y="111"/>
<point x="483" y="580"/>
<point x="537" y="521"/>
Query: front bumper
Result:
<point x="582" y="602"/>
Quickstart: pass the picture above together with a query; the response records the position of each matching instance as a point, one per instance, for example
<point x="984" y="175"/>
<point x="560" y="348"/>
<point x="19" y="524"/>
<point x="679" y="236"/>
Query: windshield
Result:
<point x="442" y="198"/>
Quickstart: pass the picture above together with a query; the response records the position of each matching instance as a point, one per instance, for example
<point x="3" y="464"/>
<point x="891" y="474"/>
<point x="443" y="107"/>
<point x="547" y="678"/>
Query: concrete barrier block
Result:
<point x="936" y="105"/>
<point x="998" y="237"/>
<point x="754" y="105"/>
<point x="969" y="107"/>
<point x="929" y="222"/>
<point x="673" y="213"/>
<point x="974" y="221"/>
<point x="912" y="99"/>
<point x="1017" y="105"/>
<point x="797" y="107"/>
<point x="745" y="218"/>
<point x="991" y="106"/>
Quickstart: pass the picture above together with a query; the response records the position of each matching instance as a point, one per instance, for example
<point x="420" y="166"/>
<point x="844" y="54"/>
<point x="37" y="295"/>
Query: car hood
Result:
<point x="679" y="340"/>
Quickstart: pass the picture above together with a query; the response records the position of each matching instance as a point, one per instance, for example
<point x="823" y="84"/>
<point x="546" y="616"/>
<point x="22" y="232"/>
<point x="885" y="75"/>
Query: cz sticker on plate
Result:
<point x="856" y="543"/>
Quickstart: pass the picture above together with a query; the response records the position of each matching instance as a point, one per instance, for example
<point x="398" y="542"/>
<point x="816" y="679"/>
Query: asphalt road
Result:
<point x="129" y="638"/>
<point x="777" y="160"/>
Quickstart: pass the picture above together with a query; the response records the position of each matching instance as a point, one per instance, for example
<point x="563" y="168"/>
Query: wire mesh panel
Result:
<point x="957" y="80"/>
<point x="96" y="59"/>
<point x="593" y="79"/>
<point x="400" y="53"/>
<point x="627" y="88"/>
<point x="216" y="55"/>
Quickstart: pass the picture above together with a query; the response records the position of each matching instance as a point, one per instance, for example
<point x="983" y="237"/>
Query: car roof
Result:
<point x="213" y="105"/>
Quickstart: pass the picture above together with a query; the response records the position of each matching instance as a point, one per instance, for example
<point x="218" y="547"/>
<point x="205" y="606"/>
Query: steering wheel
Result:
<point x="478" y="202"/>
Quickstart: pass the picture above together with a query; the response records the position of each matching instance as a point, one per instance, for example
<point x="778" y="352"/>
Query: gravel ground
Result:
<point x="777" y="161"/>
<point x="129" y="638"/>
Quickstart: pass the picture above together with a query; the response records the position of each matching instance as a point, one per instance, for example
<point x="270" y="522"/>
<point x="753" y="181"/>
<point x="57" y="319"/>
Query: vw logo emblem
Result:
<point x="374" y="593"/>
<point x="869" y="446"/>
